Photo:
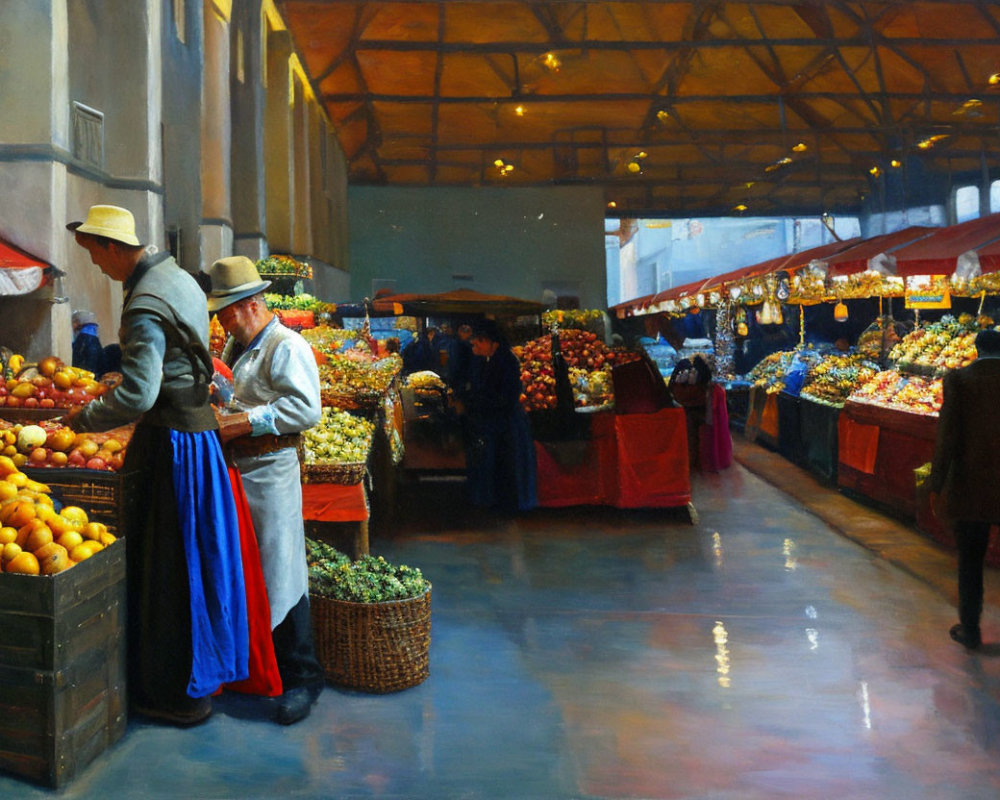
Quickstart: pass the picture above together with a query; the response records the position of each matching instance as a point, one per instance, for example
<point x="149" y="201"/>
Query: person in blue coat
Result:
<point x="87" y="351"/>
<point x="500" y="452"/>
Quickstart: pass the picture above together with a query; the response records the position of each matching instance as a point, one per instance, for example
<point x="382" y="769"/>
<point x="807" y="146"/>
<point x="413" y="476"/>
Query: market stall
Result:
<point x="431" y="430"/>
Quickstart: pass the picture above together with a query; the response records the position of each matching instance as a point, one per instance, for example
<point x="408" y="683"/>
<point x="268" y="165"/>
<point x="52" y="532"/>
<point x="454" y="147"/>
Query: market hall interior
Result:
<point x="597" y="653"/>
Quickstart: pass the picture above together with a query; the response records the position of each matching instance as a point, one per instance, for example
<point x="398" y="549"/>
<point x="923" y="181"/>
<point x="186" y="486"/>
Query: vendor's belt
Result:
<point x="259" y="445"/>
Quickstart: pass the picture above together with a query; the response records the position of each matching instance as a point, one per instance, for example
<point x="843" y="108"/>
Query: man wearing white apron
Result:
<point x="276" y="386"/>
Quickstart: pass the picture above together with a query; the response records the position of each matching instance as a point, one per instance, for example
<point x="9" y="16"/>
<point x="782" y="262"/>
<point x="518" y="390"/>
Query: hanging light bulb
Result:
<point x="764" y="315"/>
<point x="840" y="312"/>
<point x="776" y="316"/>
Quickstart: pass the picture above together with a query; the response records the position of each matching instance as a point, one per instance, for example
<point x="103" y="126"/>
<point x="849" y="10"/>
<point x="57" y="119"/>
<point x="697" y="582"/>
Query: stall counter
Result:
<point x="628" y="461"/>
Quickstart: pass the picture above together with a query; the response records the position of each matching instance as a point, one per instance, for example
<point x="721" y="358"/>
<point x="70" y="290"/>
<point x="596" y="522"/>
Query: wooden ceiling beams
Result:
<point x="714" y="93"/>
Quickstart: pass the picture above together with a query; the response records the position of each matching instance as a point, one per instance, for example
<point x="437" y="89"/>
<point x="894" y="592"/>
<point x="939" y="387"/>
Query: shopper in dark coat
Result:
<point x="965" y="476"/>
<point x="87" y="351"/>
<point x="500" y="452"/>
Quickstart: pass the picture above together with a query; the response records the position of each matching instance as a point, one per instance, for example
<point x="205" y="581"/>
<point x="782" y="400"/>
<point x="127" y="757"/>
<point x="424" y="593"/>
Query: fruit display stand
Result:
<point x="336" y="479"/>
<point x="888" y="426"/>
<point x="819" y="436"/>
<point x="62" y="667"/>
<point x="762" y="417"/>
<point x="107" y="496"/>
<point x="878" y="450"/>
<point x="737" y="403"/>
<point x="790" y="443"/>
<point x="807" y="424"/>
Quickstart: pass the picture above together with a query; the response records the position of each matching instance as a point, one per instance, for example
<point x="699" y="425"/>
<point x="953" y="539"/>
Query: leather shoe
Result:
<point x="195" y="713"/>
<point x="968" y="637"/>
<point x="295" y="705"/>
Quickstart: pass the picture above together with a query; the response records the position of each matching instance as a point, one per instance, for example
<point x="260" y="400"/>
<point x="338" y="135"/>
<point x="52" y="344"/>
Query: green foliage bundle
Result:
<point x="370" y="579"/>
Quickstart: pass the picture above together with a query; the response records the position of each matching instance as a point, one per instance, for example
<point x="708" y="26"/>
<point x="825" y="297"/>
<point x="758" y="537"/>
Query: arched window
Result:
<point x="994" y="197"/>
<point x="966" y="203"/>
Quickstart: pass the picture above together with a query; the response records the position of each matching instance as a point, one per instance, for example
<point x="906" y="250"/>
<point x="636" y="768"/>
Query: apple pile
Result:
<point x="582" y="350"/>
<point x="52" y="444"/>
<point x="48" y="384"/>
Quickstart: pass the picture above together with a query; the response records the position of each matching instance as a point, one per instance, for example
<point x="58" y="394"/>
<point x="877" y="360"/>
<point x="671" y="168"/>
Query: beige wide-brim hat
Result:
<point x="233" y="279"/>
<point x="111" y="222"/>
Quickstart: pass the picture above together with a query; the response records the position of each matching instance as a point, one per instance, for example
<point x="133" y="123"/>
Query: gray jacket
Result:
<point x="166" y="366"/>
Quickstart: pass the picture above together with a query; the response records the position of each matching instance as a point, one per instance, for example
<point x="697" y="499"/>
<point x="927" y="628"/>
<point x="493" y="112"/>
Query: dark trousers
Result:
<point x="293" y="649"/>
<point x="972" y="539"/>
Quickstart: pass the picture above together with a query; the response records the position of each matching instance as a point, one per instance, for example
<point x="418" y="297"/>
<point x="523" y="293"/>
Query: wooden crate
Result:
<point x="106" y="496"/>
<point x="62" y="667"/>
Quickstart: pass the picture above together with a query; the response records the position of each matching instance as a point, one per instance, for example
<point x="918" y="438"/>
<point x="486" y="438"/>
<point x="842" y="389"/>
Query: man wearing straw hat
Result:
<point x="276" y="381"/>
<point x="187" y="604"/>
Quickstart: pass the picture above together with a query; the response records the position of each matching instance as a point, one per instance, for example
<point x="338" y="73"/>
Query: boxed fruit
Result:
<point x="108" y="497"/>
<point x="62" y="667"/>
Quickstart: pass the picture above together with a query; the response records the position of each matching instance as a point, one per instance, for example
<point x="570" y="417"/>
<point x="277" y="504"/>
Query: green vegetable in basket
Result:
<point x="339" y="437"/>
<point x="370" y="579"/>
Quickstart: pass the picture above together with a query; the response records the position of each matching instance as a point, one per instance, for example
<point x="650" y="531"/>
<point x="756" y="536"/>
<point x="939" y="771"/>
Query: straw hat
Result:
<point x="233" y="279"/>
<point x="111" y="222"/>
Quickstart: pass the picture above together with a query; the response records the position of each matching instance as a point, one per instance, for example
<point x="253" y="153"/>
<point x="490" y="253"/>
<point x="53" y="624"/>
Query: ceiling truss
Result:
<point x="696" y="107"/>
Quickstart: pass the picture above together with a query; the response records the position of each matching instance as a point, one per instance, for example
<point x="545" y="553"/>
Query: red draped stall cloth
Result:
<point x="629" y="461"/>
<point x="337" y="514"/>
<point x="879" y="449"/>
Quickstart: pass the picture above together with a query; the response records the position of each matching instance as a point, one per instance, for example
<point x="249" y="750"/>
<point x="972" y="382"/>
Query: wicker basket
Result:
<point x="373" y="647"/>
<point x="346" y="474"/>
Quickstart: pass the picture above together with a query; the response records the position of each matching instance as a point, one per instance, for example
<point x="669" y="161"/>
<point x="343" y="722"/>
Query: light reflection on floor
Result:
<point x="605" y="654"/>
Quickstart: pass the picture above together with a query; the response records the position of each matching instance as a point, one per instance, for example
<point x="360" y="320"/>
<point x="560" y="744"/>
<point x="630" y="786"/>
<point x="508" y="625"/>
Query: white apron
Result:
<point x="279" y="370"/>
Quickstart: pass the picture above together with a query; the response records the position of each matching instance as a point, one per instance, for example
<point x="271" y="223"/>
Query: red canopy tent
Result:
<point x="860" y="257"/>
<point x="20" y="273"/>
<point x="761" y="268"/>
<point x="821" y="253"/>
<point x="938" y="253"/>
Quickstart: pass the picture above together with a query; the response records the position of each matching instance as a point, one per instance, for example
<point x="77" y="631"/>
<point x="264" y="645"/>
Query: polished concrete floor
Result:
<point x="759" y="653"/>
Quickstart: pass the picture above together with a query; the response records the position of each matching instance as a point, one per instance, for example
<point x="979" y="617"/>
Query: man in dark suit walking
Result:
<point x="965" y="476"/>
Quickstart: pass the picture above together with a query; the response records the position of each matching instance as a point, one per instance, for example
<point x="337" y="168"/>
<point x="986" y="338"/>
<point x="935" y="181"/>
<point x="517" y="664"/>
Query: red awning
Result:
<point x="858" y="258"/>
<point x="718" y="281"/>
<point x="459" y="301"/>
<point x="820" y="253"/>
<point x="938" y="253"/>
<point x="20" y="273"/>
<point x="989" y="257"/>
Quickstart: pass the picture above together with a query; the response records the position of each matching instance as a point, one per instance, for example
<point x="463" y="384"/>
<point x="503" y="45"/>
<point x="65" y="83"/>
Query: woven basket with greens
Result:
<point x="370" y="579"/>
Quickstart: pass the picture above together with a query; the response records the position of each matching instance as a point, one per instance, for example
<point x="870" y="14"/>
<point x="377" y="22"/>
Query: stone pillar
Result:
<point x="319" y="203"/>
<point x="247" y="159"/>
<point x="279" y="144"/>
<point x="301" y="173"/>
<point x="216" y="230"/>
<point x="336" y="172"/>
<point x="34" y="149"/>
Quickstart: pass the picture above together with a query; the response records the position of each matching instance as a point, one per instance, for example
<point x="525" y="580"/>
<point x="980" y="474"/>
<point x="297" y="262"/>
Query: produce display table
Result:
<point x="790" y="442"/>
<point x="762" y="418"/>
<point x="737" y="403"/>
<point x="628" y="461"/>
<point x="337" y="514"/>
<point x="818" y="423"/>
<point x="879" y="448"/>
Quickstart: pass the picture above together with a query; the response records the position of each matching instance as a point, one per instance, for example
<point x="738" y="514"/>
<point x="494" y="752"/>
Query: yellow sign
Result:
<point x="928" y="291"/>
<point x="928" y="298"/>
